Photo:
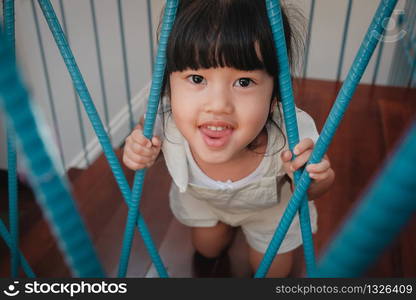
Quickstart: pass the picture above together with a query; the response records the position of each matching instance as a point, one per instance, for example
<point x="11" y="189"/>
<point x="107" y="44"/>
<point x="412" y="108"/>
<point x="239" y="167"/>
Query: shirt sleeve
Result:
<point x="306" y="126"/>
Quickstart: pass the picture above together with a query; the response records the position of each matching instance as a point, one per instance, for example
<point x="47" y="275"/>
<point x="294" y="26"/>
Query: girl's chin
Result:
<point x="212" y="158"/>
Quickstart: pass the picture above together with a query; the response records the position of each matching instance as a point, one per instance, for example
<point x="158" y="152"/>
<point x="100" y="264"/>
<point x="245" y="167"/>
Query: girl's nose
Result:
<point x="219" y="101"/>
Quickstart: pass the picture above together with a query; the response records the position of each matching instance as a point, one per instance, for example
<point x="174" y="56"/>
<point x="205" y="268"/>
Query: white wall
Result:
<point x="327" y="32"/>
<point x="81" y="37"/>
<point x="323" y="61"/>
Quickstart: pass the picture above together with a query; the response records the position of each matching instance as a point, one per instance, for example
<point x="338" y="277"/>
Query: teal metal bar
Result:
<point x="348" y="88"/>
<point x="344" y="40"/>
<point x="48" y="85"/>
<point x="125" y="64"/>
<point x="288" y="102"/>
<point x="80" y="120"/>
<point x="100" y="69"/>
<point x="9" y="28"/>
<point x="308" y="38"/>
<point x="97" y="125"/>
<point x="8" y="240"/>
<point x="153" y="103"/>
<point x="45" y="175"/>
<point x="365" y="235"/>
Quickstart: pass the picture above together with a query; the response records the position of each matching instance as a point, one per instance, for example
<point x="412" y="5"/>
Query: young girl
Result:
<point x="224" y="140"/>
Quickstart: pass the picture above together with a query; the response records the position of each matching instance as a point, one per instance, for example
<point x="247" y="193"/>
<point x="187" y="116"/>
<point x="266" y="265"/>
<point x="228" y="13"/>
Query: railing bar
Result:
<point x="344" y="40"/>
<point x="308" y="38"/>
<point x="79" y="115"/>
<point x="151" y="41"/>
<point x="48" y="84"/>
<point x="125" y="65"/>
<point x="100" y="69"/>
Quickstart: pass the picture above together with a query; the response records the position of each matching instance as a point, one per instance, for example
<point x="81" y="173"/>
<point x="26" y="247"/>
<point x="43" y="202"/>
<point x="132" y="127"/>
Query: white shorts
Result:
<point x="258" y="225"/>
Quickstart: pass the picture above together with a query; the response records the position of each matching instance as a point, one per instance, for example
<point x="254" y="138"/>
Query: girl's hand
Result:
<point x="139" y="152"/>
<point x="321" y="173"/>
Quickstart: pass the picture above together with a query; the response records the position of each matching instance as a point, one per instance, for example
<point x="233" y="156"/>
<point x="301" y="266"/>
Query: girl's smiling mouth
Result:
<point x="216" y="134"/>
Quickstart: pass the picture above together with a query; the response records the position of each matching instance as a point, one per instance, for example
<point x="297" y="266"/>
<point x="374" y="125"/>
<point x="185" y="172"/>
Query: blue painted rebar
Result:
<point x="8" y="240"/>
<point x="98" y="127"/>
<point x="341" y="103"/>
<point x="288" y="102"/>
<point x="344" y="40"/>
<point x="78" y="108"/>
<point x="308" y="38"/>
<point x="155" y="92"/>
<point x="45" y="175"/>
<point x="48" y="85"/>
<point x="365" y="235"/>
<point x="9" y="28"/>
<point x="100" y="69"/>
<point x="125" y="64"/>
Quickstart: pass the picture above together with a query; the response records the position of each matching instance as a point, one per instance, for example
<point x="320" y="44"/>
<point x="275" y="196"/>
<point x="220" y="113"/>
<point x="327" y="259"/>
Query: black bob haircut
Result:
<point x="225" y="33"/>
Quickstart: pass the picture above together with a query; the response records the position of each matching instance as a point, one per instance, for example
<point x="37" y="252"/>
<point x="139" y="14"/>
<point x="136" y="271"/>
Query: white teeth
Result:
<point x="214" y="128"/>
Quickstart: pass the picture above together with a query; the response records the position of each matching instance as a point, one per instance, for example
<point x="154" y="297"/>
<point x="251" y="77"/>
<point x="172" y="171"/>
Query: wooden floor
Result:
<point x="373" y="125"/>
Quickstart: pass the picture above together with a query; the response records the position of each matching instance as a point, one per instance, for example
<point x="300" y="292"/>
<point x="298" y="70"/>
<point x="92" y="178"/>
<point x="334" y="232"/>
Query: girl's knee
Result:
<point x="281" y="265"/>
<point x="211" y="241"/>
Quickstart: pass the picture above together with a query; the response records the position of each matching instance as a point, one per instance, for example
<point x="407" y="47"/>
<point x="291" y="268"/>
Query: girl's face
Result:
<point x="220" y="111"/>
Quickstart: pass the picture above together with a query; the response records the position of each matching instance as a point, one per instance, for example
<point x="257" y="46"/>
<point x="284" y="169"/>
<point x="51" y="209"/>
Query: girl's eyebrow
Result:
<point x="192" y="71"/>
<point x="257" y="73"/>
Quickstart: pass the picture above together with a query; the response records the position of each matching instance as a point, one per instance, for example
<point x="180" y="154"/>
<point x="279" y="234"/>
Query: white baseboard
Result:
<point x="119" y="129"/>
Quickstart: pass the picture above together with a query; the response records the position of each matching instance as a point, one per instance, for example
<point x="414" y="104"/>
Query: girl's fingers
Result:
<point x="136" y="157"/>
<point x="138" y="137"/>
<point x="303" y="146"/>
<point x="286" y="156"/>
<point x="319" y="168"/>
<point x="139" y="149"/>
<point x="156" y="141"/>
<point x="131" y="164"/>
<point x="301" y="160"/>
<point x="319" y="176"/>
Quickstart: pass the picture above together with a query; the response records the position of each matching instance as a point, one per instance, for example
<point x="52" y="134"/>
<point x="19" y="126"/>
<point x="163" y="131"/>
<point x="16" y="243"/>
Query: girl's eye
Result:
<point x="196" y="79"/>
<point x="244" y="82"/>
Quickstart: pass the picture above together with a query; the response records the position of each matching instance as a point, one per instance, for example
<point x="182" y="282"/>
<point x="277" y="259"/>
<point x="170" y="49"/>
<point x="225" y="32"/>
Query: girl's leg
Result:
<point x="281" y="265"/>
<point x="211" y="241"/>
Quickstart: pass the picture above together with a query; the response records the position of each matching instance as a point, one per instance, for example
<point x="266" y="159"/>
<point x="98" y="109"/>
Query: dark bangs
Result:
<point x="222" y="33"/>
